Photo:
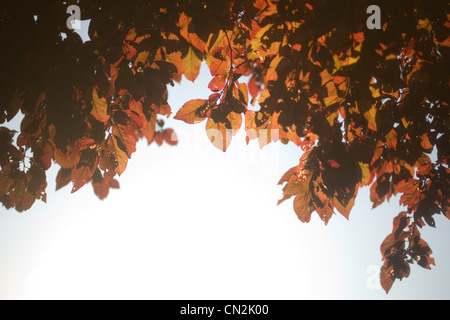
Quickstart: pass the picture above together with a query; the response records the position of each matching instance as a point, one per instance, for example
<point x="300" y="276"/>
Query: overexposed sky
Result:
<point x="192" y="222"/>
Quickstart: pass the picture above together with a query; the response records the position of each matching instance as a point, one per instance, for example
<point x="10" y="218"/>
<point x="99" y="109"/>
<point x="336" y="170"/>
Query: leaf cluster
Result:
<point x="367" y="108"/>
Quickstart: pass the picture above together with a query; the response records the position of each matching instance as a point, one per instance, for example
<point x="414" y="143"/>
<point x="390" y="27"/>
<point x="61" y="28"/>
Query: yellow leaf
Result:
<point x="142" y="57"/>
<point x="217" y="40"/>
<point x="236" y="121"/>
<point x="271" y="72"/>
<point x="366" y="176"/>
<point x="371" y="118"/>
<point x="120" y="155"/>
<point x="100" y="107"/>
<point x="128" y="141"/>
<point x="191" y="65"/>
<point x="425" y="24"/>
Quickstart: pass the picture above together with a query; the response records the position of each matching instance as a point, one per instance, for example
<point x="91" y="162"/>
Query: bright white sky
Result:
<point x="192" y="222"/>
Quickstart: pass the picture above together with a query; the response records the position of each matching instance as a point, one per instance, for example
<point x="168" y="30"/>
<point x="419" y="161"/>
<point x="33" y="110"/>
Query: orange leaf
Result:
<point x="426" y="144"/>
<point x="218" y="67"/>
<point x="188" y="113"/>
<point x="391" y="139"/>
<point x="218" y="134"/>
<point x="184" y="22"/>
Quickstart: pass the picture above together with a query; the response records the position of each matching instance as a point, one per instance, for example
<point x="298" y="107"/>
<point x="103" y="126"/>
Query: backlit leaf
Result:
<point x="191" y="65"/>
<point x="99" y="107"/>
<point x="189" y="112"/>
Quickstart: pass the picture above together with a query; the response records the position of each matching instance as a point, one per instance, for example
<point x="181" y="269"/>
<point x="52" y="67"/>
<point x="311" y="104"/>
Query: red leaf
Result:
<point x="159" y="138"/>
<point x="218" y="83"/>
<point x="334" y="164"/>
<point x="253" y="87"/>
<point x="170" y="137"/>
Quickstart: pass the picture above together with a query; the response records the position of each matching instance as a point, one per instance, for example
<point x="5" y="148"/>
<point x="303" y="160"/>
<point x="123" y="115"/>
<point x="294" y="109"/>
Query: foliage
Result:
<point x="367" y="107"/>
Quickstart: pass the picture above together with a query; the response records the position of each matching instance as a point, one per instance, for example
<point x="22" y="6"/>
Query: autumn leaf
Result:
<point x="366" y="174"/>
<point x="365" y="110"/>
<point x="99" y="107"/>
<point x="371" y="118"/>
<point x="189" y="112"/>
<point x="118" y="150"/>
<point x="288" y="175"/>
<point x="148" y="128"/>
<point x="426" y="144"/>
<point x="391" y="139"/>
<point x="191" y="65"/>
<point x="125" y="139"/>
<point x="386" y="277"/>
<point x="302" y="208"/>
<point x="175" y="59"/>
<point x="218" y="134"/>
<point x="219" y="67"/>
<point x="184" y="23"/>
<point x="63" y="178"/>
<point x="344" y="210"/>
<point x="170" y="137"/>
<point x="80" y="176"/>
<point x="217" y="83"/>
<point x="253" y="87"/>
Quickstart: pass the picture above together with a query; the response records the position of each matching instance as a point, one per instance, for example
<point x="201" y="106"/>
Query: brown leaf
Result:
<point x="386" y="277"/>
<point x="285" y="178"/>
<point x="302" y="208"/>
<point x="80" y="176"/>
<point x="63" y="178"/>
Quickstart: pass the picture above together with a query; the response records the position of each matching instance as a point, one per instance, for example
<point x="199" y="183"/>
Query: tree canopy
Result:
<point x="367" y="108"/>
